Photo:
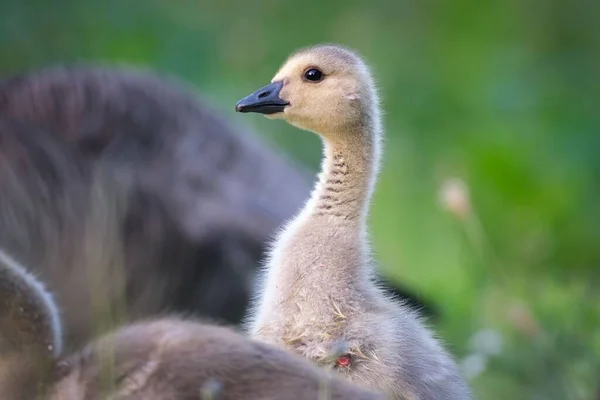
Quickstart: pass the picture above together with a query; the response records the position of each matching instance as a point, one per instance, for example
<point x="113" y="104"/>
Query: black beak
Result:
<point x="263" y="101"/>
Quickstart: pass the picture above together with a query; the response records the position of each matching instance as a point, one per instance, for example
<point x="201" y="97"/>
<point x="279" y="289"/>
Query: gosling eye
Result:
<point x="313" y="75"/>
<point x="344" y="361"/>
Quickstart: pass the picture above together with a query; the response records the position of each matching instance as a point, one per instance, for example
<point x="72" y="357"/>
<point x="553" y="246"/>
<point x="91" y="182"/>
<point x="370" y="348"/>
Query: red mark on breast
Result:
<point x="344" y="361"/>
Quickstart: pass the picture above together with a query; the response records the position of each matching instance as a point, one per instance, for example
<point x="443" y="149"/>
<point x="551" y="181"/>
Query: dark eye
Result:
<point x="313" y="75"/>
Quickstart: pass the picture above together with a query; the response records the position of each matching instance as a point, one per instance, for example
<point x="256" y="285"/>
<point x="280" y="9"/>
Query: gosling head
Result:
<point x="325" y="89"/>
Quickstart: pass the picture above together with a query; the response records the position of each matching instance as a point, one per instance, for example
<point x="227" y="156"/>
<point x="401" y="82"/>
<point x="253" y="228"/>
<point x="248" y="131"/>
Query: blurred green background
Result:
<point x="502" y="96"/>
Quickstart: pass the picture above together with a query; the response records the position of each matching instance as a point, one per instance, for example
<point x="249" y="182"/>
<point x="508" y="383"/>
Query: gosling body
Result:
<point x="168" y="358"/>
<point x="319" y="295"/>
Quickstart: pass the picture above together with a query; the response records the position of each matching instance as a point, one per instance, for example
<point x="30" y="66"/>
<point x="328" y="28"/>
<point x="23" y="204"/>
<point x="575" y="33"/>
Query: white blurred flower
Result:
<point x="454" y="196"/>
<point x="486" y="341"/>
<point x="474" y="364"/>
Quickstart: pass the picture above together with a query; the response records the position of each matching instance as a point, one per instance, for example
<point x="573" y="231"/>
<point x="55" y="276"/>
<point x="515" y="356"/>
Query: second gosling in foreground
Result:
<point x="319" y="297"/>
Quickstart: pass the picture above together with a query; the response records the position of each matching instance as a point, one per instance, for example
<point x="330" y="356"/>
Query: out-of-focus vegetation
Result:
<point x="501" y="95"/>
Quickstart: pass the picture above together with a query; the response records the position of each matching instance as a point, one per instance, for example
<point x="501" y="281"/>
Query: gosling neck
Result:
<point x="348" y="174"/>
